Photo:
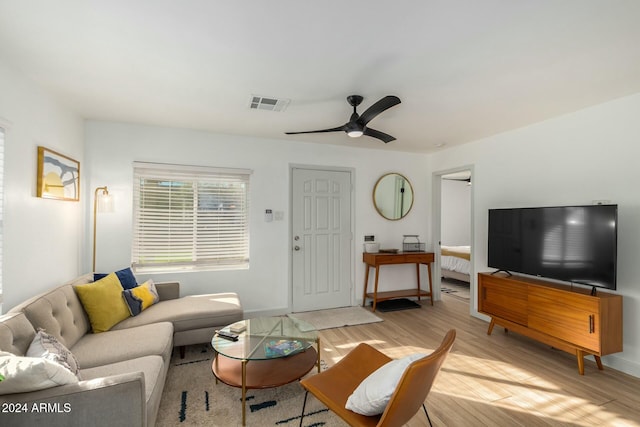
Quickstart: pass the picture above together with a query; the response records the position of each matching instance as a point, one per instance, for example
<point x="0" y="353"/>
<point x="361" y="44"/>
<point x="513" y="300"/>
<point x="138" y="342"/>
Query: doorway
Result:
<point x="453" y="229"/>
<point x="321" y="238"/>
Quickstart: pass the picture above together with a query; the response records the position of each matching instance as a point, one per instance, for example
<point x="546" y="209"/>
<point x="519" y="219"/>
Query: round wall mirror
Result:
<point x="393" y="196"/>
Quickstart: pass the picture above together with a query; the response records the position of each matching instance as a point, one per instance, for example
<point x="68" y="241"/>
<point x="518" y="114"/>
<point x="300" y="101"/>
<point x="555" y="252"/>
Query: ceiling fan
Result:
<point x="357" y="124"/>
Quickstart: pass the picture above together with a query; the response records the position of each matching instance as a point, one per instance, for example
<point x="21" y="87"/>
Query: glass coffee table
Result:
<point x="270" y="352"/>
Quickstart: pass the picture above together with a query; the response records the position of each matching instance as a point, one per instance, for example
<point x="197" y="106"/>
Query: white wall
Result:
<point x="42" y="238"/>
<point x="455" y="220"/>
<point x="574" y="159"/>
<point x="112" y="147"/>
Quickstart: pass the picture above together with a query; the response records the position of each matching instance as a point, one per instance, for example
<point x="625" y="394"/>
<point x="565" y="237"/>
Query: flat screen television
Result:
<point x="576" y="244"/>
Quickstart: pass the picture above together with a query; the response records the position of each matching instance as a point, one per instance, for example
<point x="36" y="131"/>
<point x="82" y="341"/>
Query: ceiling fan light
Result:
<point x="355" y="133"/>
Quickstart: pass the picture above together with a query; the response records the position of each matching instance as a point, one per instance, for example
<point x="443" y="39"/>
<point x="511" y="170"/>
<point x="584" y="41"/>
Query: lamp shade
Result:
<point x="102" y="202"/>
<point x="105" y="203"/>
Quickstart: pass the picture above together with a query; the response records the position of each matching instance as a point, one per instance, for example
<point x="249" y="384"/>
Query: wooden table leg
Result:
<point x="430" y="285"/>
<point x="418" y="277"/>
<point x="598" y="362"/>
<point x="318" y="345"/>
<point x="491" y="325"/>
<point x="366" y="284"/>
<point x="580" y="357"/>
<point x="375" y="289"/>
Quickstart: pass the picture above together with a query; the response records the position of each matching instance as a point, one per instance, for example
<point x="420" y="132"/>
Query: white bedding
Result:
<point x="453" y="263"/>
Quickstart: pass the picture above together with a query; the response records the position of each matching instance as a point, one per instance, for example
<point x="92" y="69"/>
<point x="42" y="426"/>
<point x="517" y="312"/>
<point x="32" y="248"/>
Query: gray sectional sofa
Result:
<point x="122" y="370"/>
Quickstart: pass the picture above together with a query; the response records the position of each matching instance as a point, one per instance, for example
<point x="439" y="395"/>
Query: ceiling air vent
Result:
<point x="269" y="104"/>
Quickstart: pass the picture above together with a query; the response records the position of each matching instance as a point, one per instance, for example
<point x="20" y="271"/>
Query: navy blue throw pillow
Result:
<point x="126" y="277"/>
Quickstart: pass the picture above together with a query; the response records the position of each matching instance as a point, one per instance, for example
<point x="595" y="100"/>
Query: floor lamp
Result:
<point x="102" y="202"/>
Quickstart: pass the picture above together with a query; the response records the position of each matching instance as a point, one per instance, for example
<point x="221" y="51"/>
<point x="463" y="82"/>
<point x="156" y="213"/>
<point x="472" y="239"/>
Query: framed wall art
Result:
<point x="58" y="176"/>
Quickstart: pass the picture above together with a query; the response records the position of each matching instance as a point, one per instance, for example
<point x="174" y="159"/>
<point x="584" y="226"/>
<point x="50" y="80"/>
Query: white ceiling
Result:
<point x="464" y="69"/>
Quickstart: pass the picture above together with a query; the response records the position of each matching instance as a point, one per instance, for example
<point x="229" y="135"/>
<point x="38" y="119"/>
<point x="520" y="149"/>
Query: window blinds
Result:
<point x="190" y="218"/>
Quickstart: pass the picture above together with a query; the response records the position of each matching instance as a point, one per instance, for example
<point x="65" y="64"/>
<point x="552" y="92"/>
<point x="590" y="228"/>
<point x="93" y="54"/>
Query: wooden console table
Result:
<point x="377" y="259"/>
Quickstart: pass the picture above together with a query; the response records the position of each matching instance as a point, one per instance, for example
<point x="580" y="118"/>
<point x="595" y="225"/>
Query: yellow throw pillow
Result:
<point x="141" y="297"/>
<point x="102" y="300"/>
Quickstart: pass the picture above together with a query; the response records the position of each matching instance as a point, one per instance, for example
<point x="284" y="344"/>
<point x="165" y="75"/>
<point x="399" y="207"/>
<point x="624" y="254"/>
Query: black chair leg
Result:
<point x="427" y="414"/>
<point x="303" y="407"/>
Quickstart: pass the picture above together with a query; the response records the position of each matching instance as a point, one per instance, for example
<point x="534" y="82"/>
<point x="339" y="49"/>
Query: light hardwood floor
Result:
<point x="497" y="380"/>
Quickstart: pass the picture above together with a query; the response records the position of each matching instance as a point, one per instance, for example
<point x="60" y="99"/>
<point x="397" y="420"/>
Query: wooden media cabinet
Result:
<point x="565" y="317"/>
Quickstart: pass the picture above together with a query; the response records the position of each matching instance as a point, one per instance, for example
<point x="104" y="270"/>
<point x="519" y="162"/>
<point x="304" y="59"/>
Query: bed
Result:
<point x="455" y="262"/>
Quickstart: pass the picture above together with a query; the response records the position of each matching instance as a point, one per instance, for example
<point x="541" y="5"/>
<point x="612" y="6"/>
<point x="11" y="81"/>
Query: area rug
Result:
<point x="456" y="289"/>
<point x="396" y="304"/>
<point x="191" y="397"/>
<point x="337" y="317"/>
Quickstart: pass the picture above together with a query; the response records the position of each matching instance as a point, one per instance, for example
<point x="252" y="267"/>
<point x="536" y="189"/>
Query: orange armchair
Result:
<point x="334" y="386"/>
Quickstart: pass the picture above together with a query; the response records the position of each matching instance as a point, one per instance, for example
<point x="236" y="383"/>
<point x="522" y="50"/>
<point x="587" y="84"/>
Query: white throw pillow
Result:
<point x="374" y="392"/>
<point x="47" y="346"/>
<point x="22" y="374"/>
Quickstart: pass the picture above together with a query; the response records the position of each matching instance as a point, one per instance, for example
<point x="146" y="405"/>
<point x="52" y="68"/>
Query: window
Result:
<point x="189" y="218"/>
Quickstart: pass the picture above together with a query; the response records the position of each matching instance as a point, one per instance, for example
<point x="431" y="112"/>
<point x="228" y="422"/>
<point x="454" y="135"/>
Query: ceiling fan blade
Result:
<point x="377" y="108"/>
<point x="380" y="135"/>
<point x="341" y="128"/>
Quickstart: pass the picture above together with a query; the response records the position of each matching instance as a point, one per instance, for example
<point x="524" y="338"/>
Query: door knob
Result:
<point x="296" y="248"/>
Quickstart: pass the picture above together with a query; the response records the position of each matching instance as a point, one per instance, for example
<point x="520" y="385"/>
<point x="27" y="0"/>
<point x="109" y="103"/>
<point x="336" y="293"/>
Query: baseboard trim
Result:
<point x="278" y="311"/>
<point x="621" y="364"/>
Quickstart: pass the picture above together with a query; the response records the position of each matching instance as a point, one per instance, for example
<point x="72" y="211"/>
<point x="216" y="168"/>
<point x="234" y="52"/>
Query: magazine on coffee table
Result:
<point x="279" y="348"/>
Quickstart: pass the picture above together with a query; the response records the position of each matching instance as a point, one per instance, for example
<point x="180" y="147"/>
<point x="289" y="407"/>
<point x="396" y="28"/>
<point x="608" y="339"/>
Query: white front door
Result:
<point x="321" y="232"/>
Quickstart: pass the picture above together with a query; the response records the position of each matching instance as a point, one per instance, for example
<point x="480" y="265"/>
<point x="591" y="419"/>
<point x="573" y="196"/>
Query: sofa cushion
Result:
<point x="48" y="347"/>
<point x="121" y="345"/>
<point x="102" y="300"/>
<point x="190" y="312"/>
<point x="150" y="366"/>
<point x="126" y="277"/>
<point x="16" y="333"/>
<point x="141" y="297"/>
<point x="22" y="374"/>
<point x="154" y="369"/>
<point x="59" y="312"/>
